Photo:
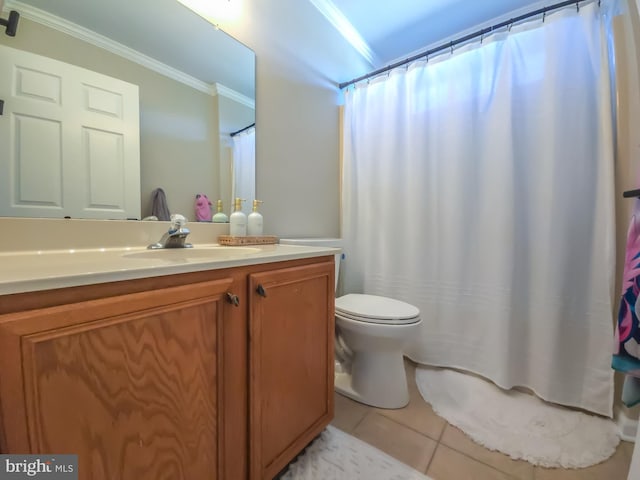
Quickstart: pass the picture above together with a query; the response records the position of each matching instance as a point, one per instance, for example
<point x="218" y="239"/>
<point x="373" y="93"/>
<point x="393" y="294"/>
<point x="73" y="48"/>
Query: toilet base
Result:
<point x="376" y="379"/>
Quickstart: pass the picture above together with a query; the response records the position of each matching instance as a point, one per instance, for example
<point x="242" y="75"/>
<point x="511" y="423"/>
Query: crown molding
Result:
<point x="233" y="95"/>
<point x="94" y="38"/>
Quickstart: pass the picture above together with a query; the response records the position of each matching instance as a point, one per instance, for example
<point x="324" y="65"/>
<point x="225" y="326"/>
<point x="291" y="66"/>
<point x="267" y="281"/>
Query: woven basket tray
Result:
<point x="249" y="240"/>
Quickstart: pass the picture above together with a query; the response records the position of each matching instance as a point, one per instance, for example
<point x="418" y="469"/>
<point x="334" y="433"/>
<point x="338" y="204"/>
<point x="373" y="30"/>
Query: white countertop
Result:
<point x="28" y="271"/>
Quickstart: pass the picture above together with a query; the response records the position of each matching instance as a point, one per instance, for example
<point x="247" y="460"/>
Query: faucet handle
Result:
<point x="177" y="221"/>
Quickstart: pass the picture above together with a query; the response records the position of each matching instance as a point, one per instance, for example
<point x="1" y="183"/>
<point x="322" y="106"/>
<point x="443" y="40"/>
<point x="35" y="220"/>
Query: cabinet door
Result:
<point x="129" y="383"/>
<point x="291" y="363"/>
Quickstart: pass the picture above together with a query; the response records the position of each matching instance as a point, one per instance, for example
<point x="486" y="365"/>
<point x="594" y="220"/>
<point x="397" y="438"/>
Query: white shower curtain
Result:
<point x="478" y="186"/>
<point x="244" y="168"/>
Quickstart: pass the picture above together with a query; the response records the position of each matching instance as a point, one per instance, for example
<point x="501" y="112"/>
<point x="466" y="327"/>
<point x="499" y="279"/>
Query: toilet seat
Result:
<point x="376" y="309"/>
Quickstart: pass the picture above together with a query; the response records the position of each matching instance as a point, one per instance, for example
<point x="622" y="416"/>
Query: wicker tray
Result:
<point x="249" y="240"/>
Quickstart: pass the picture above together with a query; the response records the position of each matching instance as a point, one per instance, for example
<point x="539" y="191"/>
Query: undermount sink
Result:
<point x="202" y="253"/>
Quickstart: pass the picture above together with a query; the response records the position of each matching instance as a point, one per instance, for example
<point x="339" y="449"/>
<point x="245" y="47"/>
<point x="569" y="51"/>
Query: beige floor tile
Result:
<point x="627" y="449"/>
<point x="458" y="440"/>
<point x="615" y="468"/>
<point x="418" y="415"/>
<point x="448" y="464"/>
<point x="400" y="442"/>
<point x="347" y="413"/>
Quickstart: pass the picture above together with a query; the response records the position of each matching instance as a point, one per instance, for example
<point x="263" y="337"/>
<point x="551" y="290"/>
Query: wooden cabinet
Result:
<point x="165" y="378"/>
<point x="131" y="383"/>
<point x="291" y="363"/>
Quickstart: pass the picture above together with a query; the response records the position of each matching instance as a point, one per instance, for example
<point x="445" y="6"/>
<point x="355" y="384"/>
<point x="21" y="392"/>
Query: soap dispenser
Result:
<point x="254" y="221"/>
<point x="238" y="220"/>
<point x="220" y="216"/>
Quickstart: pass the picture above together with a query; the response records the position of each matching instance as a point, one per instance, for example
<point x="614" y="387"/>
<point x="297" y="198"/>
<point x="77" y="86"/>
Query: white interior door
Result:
<point x="69" y="140"/>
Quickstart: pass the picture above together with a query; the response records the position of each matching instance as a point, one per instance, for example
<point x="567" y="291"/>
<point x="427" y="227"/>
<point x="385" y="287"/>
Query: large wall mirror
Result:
<point x="193" y="87"/>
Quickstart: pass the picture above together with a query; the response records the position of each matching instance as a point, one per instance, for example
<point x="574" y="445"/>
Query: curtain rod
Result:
<point x="242" y="130"/>
<point x="631" y="193"/>
<point x="449" y="45"/>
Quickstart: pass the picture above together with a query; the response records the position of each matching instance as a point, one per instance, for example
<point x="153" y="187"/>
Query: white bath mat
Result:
<point x="334" y="455"/>
<point x="517" y="424"/>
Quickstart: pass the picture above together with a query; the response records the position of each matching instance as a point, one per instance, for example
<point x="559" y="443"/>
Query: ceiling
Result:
<point x="390" y="30"/>
<point x="394" y="29"/>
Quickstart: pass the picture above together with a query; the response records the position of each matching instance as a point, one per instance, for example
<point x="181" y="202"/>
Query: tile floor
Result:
<point x="418" y="437"/>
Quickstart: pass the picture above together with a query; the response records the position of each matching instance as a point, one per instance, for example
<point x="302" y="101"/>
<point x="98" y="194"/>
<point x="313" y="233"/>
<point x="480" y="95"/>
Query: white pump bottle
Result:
<point x="254" y="221"/>
<point x="238" y="220"/>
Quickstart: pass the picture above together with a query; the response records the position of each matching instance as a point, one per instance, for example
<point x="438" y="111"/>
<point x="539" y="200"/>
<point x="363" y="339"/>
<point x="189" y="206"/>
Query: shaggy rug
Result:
<point x="516" y="423"/>
<point x="335" y="455"/>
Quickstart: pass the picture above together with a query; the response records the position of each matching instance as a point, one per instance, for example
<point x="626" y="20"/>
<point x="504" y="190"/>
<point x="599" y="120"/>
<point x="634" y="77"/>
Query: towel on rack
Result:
<point x="626" y="352"/>
<point x="159" y="207"/>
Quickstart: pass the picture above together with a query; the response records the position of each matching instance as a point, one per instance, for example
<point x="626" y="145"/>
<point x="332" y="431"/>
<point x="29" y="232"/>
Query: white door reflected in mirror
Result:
<point x="193" y="91"/>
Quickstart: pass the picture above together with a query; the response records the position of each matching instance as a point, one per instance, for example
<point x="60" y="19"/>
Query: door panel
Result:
<point x="37" y="168"/>
<point x="48" y="165"/>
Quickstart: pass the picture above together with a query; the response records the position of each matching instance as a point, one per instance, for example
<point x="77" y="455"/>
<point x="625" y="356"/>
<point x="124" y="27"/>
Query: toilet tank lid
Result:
<point x="373" y="306"/>
<point x="313" y="242"/>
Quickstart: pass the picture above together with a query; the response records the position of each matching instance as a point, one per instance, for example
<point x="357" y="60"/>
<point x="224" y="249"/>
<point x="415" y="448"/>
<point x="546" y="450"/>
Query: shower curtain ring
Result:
<point x="578" y="6"/>
<point x="510" y="25"/>
<point x="451" y="46"/>
<point x="544" y="15"/>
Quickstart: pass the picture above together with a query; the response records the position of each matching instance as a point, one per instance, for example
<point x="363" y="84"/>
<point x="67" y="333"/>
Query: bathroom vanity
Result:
<point x="203" y="365"/>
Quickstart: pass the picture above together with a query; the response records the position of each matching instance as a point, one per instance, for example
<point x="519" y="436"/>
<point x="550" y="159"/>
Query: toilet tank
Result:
<point x="318" y="242"/>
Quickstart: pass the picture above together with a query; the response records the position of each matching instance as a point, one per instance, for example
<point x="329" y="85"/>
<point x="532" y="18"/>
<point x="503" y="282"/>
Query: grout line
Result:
<point x="492" y="467"/>
<point x="413" y="429"/>
<point x="372" y="410"/>
<point x="361" y="420"/>
<point x="510" y="475"/>
<point x="408" y="427"/>
<point x="435" y="450"/>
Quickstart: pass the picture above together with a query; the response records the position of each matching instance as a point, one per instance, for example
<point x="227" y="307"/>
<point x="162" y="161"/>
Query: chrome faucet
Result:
<point x="175" y="237"/>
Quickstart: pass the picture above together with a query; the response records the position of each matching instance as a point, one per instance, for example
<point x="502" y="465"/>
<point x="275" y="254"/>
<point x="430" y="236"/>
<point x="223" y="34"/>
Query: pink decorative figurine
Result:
<point x="203" y="208"/>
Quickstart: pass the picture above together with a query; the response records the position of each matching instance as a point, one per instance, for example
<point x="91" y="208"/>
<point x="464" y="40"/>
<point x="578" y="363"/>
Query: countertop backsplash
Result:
<point x="34" y="234"/>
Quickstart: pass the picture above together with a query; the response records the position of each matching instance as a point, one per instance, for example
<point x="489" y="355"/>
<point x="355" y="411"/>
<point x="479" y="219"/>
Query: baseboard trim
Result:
<point x="627" y="427"/>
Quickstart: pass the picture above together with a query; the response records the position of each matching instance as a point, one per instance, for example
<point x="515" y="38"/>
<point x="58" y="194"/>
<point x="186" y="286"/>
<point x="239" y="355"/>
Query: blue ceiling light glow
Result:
<point x="346" y="29"/>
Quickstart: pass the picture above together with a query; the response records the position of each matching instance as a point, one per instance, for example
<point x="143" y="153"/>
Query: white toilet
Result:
<point x="371" y="332"/>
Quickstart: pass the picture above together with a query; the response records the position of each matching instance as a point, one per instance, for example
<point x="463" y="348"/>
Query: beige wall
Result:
<point x="297" y="165"/>
<point x="233" y="117"/>
<point x="298" y="139"/>
<point x="179" y="145"/>
<point x="296" y="113"/>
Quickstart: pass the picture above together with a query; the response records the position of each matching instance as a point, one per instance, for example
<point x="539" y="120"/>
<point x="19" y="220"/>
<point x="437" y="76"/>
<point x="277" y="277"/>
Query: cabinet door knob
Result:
<point x="233" y="299"/>
<point x="261" y="291"/>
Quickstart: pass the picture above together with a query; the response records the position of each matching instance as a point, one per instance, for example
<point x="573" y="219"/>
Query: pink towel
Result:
<point x="626" y="351"/>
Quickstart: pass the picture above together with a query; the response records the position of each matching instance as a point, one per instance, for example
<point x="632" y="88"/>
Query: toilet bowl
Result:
<point x="371" y="332"/>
